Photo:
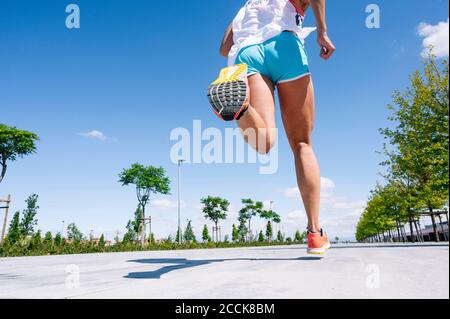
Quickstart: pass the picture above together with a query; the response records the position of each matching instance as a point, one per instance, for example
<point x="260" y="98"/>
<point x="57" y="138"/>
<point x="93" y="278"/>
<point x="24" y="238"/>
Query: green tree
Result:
<point x="276" y="219"/>
<point x="269" y="231"/>
<point x="14" y="143"/>
<point x="58" y="239"/>
<point x="205" y="234"/>
<point x="249" y="210"/>
<point x="36" y="240"/>
<point x="48" y="238"/>
<point x="215" y="209"/>
<point x="280" y="237"/>
<point x="74" y="234"/>
<point x="14" y="233"/>
<point x="417" y="146"/>
<point x="189" y="235"/>
<point x="298" y="236"/>
<point x="134" y="227"/>
<point x="152" y="238"/>
<point x="301" y="237"/>
<point x="101" y="242"/>
<point x="398" y="202"/>
<point x="377" y="217"/>
<point x="261" y="237"/>
<point x="147" y="180"/>
<point x="234" y="234"/>
<point x="29" y="216"/>
<point x="272" y="217"/>
<point x="242" y="229"/>
<point x="126" y="237"/>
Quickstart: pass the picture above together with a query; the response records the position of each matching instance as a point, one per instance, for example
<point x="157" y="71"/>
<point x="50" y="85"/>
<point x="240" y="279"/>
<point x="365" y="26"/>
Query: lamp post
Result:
<point x="5" y="218"/>
<point x="179" y="200"/>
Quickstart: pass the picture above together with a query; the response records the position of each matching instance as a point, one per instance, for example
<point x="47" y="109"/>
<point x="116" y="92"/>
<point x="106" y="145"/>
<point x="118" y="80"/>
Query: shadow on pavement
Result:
<point x="178" y="264"/>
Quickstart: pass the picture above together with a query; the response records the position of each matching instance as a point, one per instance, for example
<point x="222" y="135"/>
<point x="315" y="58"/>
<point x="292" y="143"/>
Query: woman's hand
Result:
<point x="327" y="47"/>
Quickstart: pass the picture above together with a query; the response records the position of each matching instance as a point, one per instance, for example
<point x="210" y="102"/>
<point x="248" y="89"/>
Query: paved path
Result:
<point x="348" y="271"/>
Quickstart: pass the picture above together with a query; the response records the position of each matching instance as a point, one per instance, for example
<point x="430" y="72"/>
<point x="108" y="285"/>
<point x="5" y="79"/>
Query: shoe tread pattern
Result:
<point x="228" y="98"/>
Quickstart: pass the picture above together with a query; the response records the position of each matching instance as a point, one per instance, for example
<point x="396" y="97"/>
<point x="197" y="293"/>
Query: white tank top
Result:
<point x="261" y="20"/>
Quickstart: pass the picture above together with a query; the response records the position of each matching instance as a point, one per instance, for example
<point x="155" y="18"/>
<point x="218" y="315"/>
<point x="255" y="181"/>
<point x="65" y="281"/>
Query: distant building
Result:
<point x="442" y="229"/>
<point x="428" y="233"/>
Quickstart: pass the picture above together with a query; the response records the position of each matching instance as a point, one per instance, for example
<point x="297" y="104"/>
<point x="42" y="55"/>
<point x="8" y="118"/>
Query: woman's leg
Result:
<point x="298" y="112"/>
<point x="260" y="116"/>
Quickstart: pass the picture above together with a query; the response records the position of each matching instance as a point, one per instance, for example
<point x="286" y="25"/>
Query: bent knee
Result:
<point x="266" y="147"/>
<point x="301" y="146"/>
<point x="262" y="140"/>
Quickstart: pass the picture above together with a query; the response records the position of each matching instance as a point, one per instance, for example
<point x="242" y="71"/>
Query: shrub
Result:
<point x="36" y="247"/>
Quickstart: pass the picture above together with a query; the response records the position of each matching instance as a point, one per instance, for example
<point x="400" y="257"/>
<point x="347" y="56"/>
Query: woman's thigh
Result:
<point x="297" y="110"/>
<point x="262" y="98"/>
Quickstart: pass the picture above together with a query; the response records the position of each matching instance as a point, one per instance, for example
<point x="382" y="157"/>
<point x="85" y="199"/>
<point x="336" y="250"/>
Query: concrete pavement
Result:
<point x="347" y="271"/>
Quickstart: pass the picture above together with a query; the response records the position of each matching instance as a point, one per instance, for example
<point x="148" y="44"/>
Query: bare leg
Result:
<point x="298" y="112"/>
<point x="260" y="115"/>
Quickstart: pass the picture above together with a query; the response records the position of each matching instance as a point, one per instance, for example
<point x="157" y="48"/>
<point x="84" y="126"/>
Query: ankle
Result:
<point x="314" y="229"/>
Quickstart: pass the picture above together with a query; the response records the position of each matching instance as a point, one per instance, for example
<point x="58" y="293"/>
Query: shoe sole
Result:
<point x="228" y="95"/>
<point x="319" y="251"/>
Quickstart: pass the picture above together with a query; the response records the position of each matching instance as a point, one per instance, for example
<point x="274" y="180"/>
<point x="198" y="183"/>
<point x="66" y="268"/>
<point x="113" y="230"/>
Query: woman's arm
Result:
<point x="227" y="41"/>
<point x="319" y="8"/>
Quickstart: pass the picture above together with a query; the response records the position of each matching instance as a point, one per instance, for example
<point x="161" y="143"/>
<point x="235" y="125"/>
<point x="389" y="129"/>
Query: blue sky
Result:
<point x="136" y="70"/>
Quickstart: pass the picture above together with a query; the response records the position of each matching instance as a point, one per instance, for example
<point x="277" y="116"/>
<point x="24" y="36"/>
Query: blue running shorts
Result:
<point x="281" y="59"/>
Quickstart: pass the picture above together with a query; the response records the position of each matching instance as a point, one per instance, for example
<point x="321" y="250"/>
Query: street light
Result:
<point x="179" y="200"/>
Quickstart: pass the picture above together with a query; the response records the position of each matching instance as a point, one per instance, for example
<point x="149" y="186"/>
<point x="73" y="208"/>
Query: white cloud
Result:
<point x="293" y="221"/>
<point x="165" y="204"/>
<point x="327" y="184"/>
<point x="327" y="189"/>
<point x="343" y="226"/>
<point x="339" y="214"/>
<point x="94" y="134"/>
<point x="436" y="36"/>
<point x="292" y="192"/>
<point x="296" y="216"/>
<point x="354" y="205"/>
